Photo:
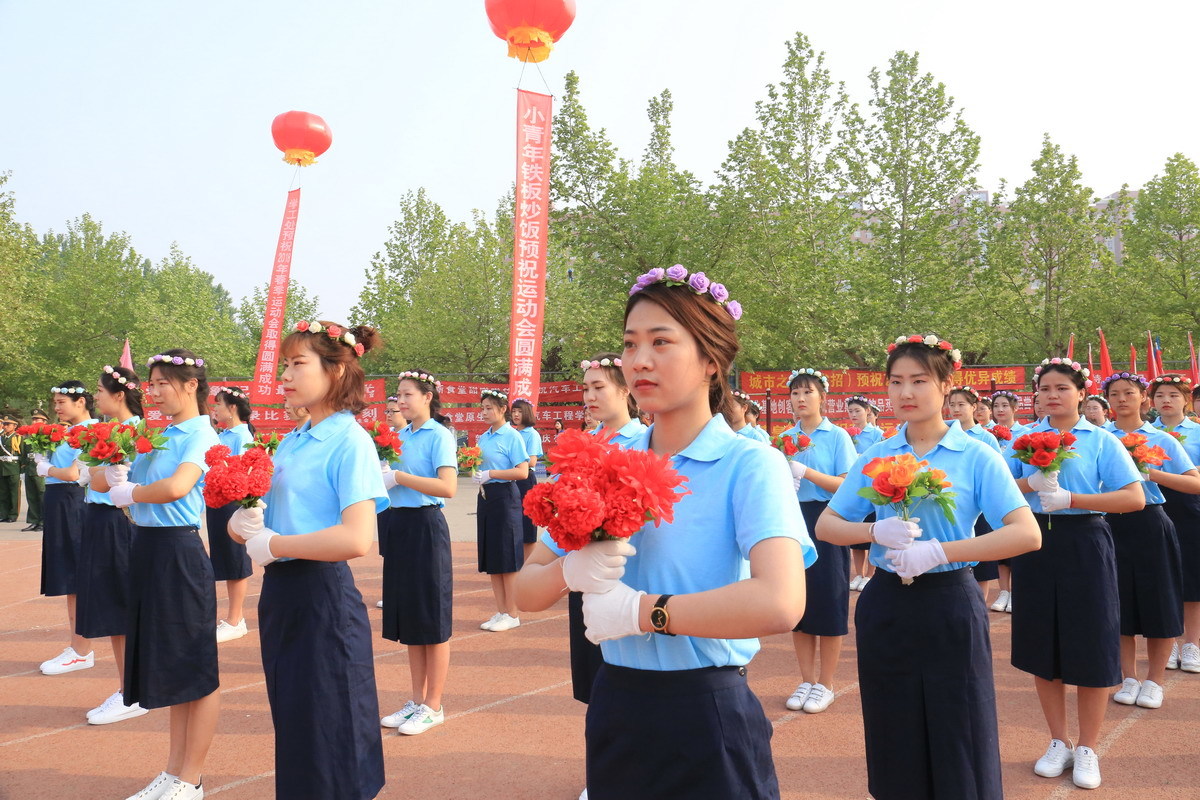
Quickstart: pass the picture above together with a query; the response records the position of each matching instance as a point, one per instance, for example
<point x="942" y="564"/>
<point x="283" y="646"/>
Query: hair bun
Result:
<point x="368" y="337"/>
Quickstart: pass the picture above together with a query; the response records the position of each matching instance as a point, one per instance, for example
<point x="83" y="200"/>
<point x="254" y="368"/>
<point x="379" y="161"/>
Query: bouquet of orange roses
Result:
<point x="1144" y="455"/>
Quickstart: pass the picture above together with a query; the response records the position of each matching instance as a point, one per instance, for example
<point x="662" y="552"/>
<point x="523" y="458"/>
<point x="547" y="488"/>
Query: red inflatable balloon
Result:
<point x="301" y="136"/>
<point x="531" y="27"/>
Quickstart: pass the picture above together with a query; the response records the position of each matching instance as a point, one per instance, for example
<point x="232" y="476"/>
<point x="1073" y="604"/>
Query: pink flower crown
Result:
<point x="1074" y="366"/>
<point x="423" y="377"/>
<point x="585" y="365"/>
<point x="929" y="341"/>
<point x="1172" y="380"/>
<point x="967" y="390"/>
<point x="229" y="390"/>
<point x="111" y="372"/>
<point x="698" y="282"/>
<point x="335" y="332"/>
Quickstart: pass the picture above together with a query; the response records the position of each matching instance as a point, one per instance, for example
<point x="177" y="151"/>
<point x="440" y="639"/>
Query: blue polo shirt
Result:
<point x="1190" y="430"/>
<point x="739" y="495"/>
<point x="627" y="433"/>
<point x="64" y="455"/>
<point x="532" y="440"/>
<point x="872" y="434"/>
<point x="102" y="498"/>
<point x="502" y="449"/>
<point x="832" y="452"/>
<point x="978" y="476"/>
<point x="980" y="433"/>
<point x="236" y="438"/>
<point x="1102" y="465"/>
<point x="1178" y="461"/>
<point x="187" y="442"/>
<point x="320" y="471"/>
<point x="423" y="451"/>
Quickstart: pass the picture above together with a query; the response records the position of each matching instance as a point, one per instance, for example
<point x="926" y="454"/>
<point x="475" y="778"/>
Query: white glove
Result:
<point x="43" y="469"/>
<point x="918" y="559"/>
<point x="895" y="533"/>
<point x="596" y="567"/>
<point x="798" y="469"/>
<point x="116" y="474"/>
<point x="613" y="614"/>
<point x="1043" y="481"/>
<point x="259" y="548"/>
<point x="1055" y="500"/>
<point x="482" y="476"/>
<point x="39" y="458"/>
<point x="85" y="475"/>
<point x="248" y="522"/>
<point x="389" y="476"/>
<point x="122" y="494"/>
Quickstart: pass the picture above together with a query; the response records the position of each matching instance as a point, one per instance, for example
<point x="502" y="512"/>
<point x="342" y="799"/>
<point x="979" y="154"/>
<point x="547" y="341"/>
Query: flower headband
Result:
<point x="863" y="400"/>
<point x="966" y="389"/>
<point x="1123" y="376"/>
<point x="336" y="332"/>
<point x="1012" y="396"/>
<point x="238" y="393"/>
<point x="757" y="406"/>
<point x="585" y="365"/>
<point x="740" y="395"/>
<point x="423" y="377"/>
<point x="1171" y="380"/>
<point x="929" y="341"/>
<point x="68" y="390"/>
<point x="811" y="373"/>
<point x="111" y="372"/>
<point x="698" y="282"/>
<point x="1074" y="366"/>
<point x="494" y="393"/>
<point x="175" y="360"/>
<point x="1101" y="399"/>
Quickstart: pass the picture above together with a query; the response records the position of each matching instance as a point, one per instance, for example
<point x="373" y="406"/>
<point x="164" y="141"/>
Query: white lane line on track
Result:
<point x="34" y="628"/>
<point x="20" y="569"/>
<point x="242" y="782"/>
<point x="43" y="734"/>
<point x="28" y="600"/>
<point x="505" y="700"/>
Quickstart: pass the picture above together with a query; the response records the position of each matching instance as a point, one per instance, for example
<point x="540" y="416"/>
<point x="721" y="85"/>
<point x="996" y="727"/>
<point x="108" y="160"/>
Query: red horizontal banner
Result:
<point x="863" y="381"/>
<point x="556" y="392"/>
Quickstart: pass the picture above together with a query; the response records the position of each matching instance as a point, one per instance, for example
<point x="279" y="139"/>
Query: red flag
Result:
<point x="1071" y="348"/>
<point x="1132" y="358"/>
<point x="1106" y="366"/>
<point x="127" y="358"/>
<point x="1151" y="366"/>
<point x="1095" y="387"/>
<point x="1195" y="368"/>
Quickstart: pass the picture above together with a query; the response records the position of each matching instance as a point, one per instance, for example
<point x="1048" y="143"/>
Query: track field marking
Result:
<point x="44" y="733"/>
<point x="242" y="782"/>
<point x="505" y="700"/>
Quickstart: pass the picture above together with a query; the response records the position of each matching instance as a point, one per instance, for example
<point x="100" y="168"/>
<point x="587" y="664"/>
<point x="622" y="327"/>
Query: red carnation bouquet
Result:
<point x="1144" y="455"/>
<point x="601" y="492"/>
<point x="266" y="441"/>
<point x="854" y="432"/>
<point x="42" y="437"/>
<point x="1001" y="432"/>
<point x="469" y="458"/>
<point x="1046" y="450"/>
<point x="106" y="443"/>
<point x="1179" y="437"/>
<point x="792" y="444"/>
<point x="243" y="479"/>
<point x="387" y="441"/>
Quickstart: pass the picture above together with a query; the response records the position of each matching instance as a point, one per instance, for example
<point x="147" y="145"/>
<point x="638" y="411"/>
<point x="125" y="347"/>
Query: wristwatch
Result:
<point x="660" y="618"/>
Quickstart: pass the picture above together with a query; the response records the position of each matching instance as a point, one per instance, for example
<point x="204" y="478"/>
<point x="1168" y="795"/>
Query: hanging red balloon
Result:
<point x="301" y="136"/>
<point x="531" y="27"/>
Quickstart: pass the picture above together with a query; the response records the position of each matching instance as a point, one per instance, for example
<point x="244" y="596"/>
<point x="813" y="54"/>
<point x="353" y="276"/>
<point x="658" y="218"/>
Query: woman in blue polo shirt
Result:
<point x="1004" y="412"/>
<point x="171" y="643"/>
<point x="418" y="581"/>
<point x="924" y="654"/>
<point x="741" y="420"/>
<point x="963" y="402"/>
<point x="817" y="472"/>
<point x="524" y="422"/>
<point x="1066" y="624"/>
<point x="728" y="569"/>
<point x="231" y="411"/>
<point x="863" y="414"/>
<point x="498" y="509"/>
<point x="320" y="512"/>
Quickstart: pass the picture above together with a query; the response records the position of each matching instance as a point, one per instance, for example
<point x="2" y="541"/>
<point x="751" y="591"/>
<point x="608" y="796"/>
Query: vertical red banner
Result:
<point x="530" y="224"/>
<point x="262" y="389"/>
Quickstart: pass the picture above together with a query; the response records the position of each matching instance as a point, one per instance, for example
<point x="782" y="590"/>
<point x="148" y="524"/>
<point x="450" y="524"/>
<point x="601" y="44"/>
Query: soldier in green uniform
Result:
<point x="34" y="486"/>
<point x="10" y="471"/>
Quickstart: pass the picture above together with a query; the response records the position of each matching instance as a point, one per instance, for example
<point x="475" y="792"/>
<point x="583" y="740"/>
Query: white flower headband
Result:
<point x="967" y="389"/>
<point x="1074" y="366"/>
<point x="335" y="332"/>
<point x="111" y="372"/>
<point x="175" y="360"/>
<point x="757" y="406"/>
<point x="1122" y="376"/>
<point x="1164" y="380"/>
<point x="698" y="282"/>
<point x="494" y="393"/>
<point x="424" y="377"/>
<point x="68" y="390"/>
<point x="929" y="341"/>
<point x="864" y="400"/>
<point x="585" y="365"/>
<point x="232" y="391"/>
<point x="812" y="373"/>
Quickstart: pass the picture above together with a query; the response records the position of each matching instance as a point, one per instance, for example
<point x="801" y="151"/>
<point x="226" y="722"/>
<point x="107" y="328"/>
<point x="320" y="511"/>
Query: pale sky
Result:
<point x="155" y="116"/>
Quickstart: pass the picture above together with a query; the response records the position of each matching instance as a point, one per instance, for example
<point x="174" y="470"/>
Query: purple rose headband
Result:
<point x="698" y="282"/>
<point x="176" y="360"/>
<point x="1123" y="376"/>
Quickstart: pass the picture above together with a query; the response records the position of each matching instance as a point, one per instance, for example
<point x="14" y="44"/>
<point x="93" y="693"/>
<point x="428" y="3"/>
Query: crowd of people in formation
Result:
<point x="1096" y="553"/>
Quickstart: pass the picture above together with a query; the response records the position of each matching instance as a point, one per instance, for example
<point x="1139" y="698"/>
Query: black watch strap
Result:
<point x="659" y="617"/>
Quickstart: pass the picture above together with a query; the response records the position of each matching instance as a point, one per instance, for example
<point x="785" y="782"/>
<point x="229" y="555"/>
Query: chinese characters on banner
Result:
<point x="529" y="247"/>
<point x="262" y="389"/>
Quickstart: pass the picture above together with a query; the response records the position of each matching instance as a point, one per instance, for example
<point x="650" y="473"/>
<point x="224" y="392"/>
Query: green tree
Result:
<point x="253" y="308"/>
<point x="24" y="321"/>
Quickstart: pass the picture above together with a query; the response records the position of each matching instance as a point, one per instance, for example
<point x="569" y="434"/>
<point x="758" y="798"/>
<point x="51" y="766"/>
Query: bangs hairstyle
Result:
<point x="239" y="404"/>
<point x="934" y="360"/>
<point x="810" y="381"/>
<point x="132" y="392"/>
<point x="1099" y="398"/>
<point x="347" y="390"/>
<point x="1182" y="387"/>
<point x="88" y="400"/>
<point x="179" y="374"/>
<point x="617" y="378"/>
<point x="971" y="398"/>
<point x="428" y="387"/>
<point x="528" y="415"/>
<point x="1076" y="378"/>
<point x="710" y="325"/>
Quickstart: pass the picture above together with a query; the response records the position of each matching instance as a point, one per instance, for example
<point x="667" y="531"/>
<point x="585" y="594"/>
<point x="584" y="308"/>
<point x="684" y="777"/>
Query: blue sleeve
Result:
<point x="355" y="474"/>
<point x="992" y="442"/>
<point x="194" y="447"/>
<point x="1180" y="462"/>
<point x="996" y="492"/>
<point x="444" y="453"/>
<point x="516" y="450"/>
<point x="846" y="502"/>
<point x="1114" y="463"/>
<point x="766" y="507"/>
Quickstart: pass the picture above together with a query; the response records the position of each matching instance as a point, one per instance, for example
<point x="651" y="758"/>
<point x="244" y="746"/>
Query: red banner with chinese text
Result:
<point x="557" y="400"/>
<point x="262" y="388"/>
<point x="530" y="222"/>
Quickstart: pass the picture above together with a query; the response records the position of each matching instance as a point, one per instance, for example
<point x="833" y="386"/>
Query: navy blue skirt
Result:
<point x="498" y="528"/>
<point x="62" y="509"/>
<point x="1066" y="623"/>
<point x="230" y="562"/>
<point x="1184" y="511"/>
<point x="102" y="605"/>
<point x="928" y="698"/>
<point x="171" y="632"/>
<point x="316" y="653"/>
<point x="827" y="582"/>
<point x="381" y="526"/>
<point x="528" y="529"/>
<point x="697" y="733"/>
<point x="586" y="658"/>
<point x="985" y="570"/>
<point x="418" y="577"/>
<point x="1149" y="580"/>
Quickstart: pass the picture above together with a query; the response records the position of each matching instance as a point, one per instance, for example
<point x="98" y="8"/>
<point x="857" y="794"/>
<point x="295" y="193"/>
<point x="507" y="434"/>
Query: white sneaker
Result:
<point x="68" y="661"/>
<point x="115" y="697"/>
<point x="1189" y="658"/>
<point x="379" y="604"/>
<point x="1173" y="660"/>
<point x="400" y="717"/>
<point x="487" y="626"/>
<point x="819" y="699"/>
<point x="856" y="583"/>
<point x="1001" y="601"/>
<point x="863" y="583"/>
<point x="1151" y="696"/>
<point x="1087" y="768"/>
<point x="227" y="632"/>
<point x="1059" y="756"/>
<point x="1127" y="695"/>
<point x="1008" y="605"/>
<point x="155" y="789"/>
<point x="116" y="712"/>
<point x="796" y="701"/>
<point x="423" y="719"/>
<point x="583" y="795"/>
<point x="182" y="790"/>
<point x="505" y="623"/>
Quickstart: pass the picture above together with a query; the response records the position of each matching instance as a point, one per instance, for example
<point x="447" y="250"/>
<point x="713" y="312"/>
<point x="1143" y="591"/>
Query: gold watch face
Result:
<point x="658" y="618"/>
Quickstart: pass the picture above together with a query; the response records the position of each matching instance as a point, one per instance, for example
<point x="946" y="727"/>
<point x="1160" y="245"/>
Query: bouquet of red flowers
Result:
<point x="107" y="443"/>
<point x="1179" y="437"/>
<point x="1145" y="456"/>
<point x="791" y="445"/>
<point x="1046" y="450"/>
<point x="243" y="479"/>
<point x="1001" y="432"/>
<point x="602" y="492"/>
<point x="42" y="437"/>
<point x="387" y="441"/>
<point x="266" y="441"/>
<point x="854" y="432"/>
<point x="469" y="458"/>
